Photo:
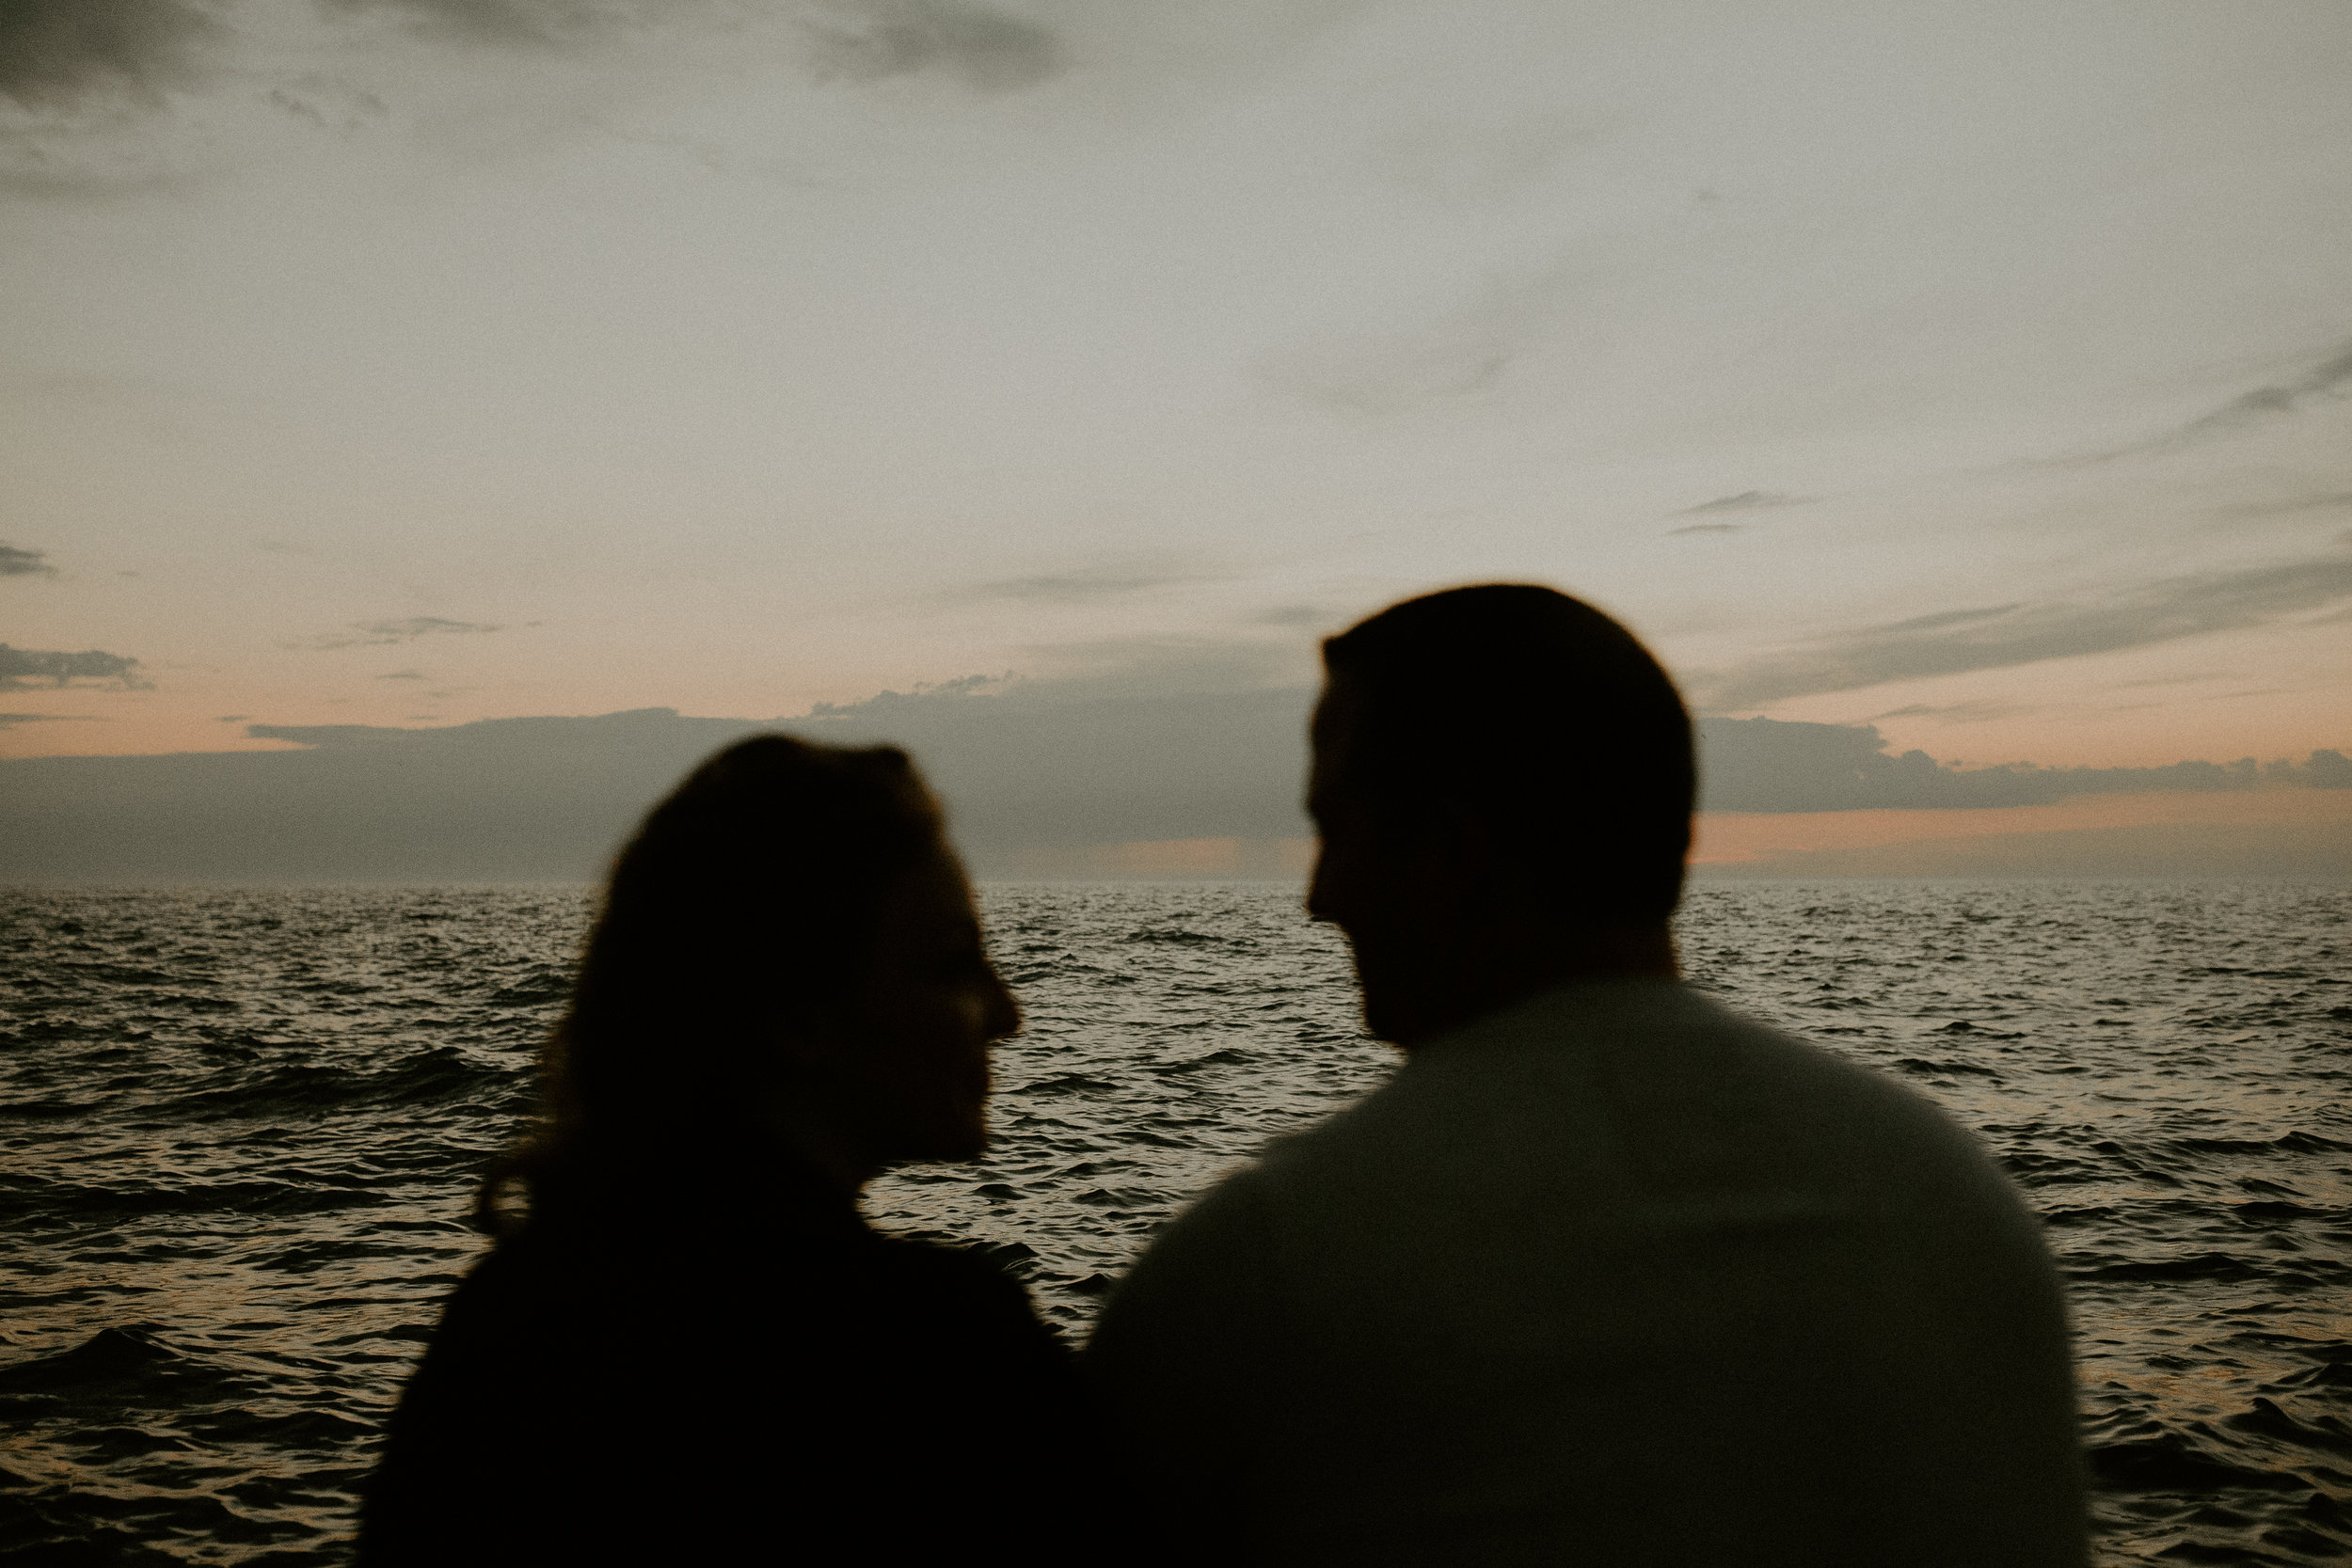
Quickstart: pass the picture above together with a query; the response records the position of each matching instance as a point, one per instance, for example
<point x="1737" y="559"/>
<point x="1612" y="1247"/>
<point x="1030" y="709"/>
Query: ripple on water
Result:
<point x="242" y="1127"/>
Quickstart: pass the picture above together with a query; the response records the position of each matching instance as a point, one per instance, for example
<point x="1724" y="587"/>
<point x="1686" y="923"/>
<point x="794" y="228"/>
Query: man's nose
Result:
<point x="1319" y="889"/>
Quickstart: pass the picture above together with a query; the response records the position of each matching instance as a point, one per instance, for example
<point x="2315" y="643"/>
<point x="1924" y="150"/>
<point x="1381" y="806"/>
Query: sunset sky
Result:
<point x="1982" y="372"/>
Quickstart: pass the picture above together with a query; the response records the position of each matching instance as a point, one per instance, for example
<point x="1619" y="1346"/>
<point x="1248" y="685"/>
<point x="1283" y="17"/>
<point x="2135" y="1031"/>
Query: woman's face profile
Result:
<point x="914" y="1068"/>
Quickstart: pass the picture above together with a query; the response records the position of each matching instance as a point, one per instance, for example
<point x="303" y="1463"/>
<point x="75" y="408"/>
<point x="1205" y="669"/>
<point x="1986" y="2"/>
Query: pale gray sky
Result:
<point x="1978" y="369"/>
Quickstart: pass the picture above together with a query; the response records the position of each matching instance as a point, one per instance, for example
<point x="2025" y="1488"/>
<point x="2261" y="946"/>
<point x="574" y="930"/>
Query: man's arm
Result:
<point x="1189" y="1356"/>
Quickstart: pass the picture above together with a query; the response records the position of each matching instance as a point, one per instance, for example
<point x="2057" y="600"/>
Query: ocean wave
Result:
<point x="245" y="1127"/>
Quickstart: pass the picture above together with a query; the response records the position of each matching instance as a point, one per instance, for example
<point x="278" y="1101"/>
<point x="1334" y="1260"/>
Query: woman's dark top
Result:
<point x="737" y="1370"/>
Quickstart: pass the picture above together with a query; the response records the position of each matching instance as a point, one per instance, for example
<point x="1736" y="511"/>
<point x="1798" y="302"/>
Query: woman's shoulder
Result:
<point x="948" y="1278"/>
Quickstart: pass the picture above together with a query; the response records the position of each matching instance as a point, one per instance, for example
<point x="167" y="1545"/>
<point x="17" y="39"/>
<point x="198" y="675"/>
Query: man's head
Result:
<point x="1496" y="768"/>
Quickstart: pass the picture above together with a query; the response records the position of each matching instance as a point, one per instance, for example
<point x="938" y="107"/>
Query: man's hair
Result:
<point x="1544" y="716"/>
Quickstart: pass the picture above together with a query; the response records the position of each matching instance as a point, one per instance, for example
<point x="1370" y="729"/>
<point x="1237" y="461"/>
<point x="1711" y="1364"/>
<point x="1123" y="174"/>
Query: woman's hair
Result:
<point x="746" y="902"/>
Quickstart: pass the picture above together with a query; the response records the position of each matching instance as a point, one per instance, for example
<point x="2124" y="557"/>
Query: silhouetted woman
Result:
<point x="689" y="1348"/>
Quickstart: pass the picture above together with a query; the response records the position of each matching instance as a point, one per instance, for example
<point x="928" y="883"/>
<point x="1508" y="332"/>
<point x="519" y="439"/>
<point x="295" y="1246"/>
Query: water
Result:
<point x="241" y="1127"/>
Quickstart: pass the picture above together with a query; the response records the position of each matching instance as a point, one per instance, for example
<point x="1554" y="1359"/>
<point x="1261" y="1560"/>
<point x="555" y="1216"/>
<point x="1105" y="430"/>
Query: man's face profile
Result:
<point x="1362" y="882"/>
<point x="1343" y="874"/>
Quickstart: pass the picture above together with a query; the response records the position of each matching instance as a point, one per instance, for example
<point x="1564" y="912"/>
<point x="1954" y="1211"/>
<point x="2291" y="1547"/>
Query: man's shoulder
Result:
<point x="1597" y="1089"/>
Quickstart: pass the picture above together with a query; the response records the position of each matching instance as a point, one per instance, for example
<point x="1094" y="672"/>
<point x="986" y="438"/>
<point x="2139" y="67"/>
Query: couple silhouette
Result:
<point x="1605" y="1274"/>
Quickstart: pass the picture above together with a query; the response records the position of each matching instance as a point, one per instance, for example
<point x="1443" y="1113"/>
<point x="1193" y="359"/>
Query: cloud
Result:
<point x="404" y="675"/>
<point x="1458" y="161"/>
<point x="1085" y="585"/>
<point x="1746" y="500"/>
<point x="1030" y="767"/>
<point x="16" y="563"/>
<point x="2329" y="379"/>
<point x="540" y="23"/>
<point x="1137" y="742"/>
<point x="1769" y="764"/>
<point x="2336" y="500"/>
<point x="860" y="41"/>
<point x="326" y="104"/>
<point x="1707" y="528"/>
<point x="384" y="634"/>
<point x="1961" y="713"/>
<point x="1461" y="352"/>
<point x="986" y="50"/>
<point x="10" y="721"/>
<point x="2001" y="636"/>
<point x="81" y="80"/>
<point x="60" y="54"/>
<point x="1299" y="616"/>
<point x="2177" y="680"/>
<point x="26" y="669"/>
<point x="1124" y="668"/>
<point x="1452" y="359"/>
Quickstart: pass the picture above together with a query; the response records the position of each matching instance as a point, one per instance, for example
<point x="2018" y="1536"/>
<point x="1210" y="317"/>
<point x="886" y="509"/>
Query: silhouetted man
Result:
<point x="1605" y="1274"/>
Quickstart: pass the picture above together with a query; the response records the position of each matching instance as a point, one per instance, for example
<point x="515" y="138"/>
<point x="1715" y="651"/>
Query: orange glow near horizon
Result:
<point x="1734" y="838"/>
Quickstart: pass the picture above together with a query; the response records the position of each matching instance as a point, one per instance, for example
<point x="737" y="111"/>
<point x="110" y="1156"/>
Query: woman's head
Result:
<point x="787" y="946"/>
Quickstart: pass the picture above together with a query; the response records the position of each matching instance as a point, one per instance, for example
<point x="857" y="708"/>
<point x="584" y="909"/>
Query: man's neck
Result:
<point x="1487" y="972"/>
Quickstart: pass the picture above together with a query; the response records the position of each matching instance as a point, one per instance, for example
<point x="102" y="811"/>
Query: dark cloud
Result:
<point x="1746" y="500"/>
<point x="15" y="563"/>
<point x="549" y="799"/>
<point x="532" y="23"/>
<point x="59" y="53"/>
<point x="1142" y="751"/>
<point x="26" y="669"/>
<point x="984" y="48"/>
<point x="384" y="634"/>
<point x="2002" y="635"/>
<point x="10" y="721"/>
<point x="1707" y="528"/>
<point x="1768" y="765"/>
<point x="859" y="40"/>
<point x="79" y="72"/>
<point x="514" y="800"/>
<point x="404" y="675"/>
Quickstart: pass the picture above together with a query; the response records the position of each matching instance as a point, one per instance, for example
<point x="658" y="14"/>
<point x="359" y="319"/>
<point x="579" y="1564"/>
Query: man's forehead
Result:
<point x="1331" y="733"/>
<point x="1336" y="708"/>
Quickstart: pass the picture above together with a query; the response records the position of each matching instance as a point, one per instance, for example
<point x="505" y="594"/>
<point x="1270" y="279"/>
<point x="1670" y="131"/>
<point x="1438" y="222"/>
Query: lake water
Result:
<point x="241" y="1129"/>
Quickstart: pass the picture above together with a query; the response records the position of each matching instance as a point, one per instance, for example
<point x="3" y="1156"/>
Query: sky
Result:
<point x="1973" y="379"/>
